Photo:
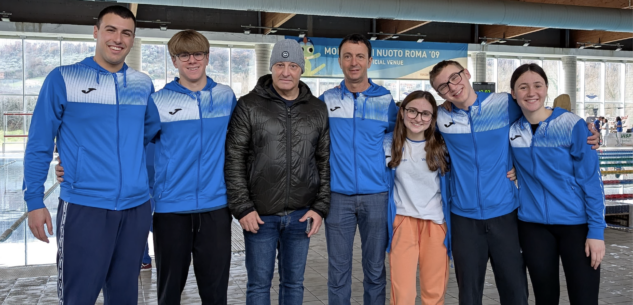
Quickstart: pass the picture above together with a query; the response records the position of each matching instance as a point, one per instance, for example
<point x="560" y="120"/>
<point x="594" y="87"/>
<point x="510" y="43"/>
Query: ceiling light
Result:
<point x="527" y="43"/>
<point x="373" y="37"/>
<point x="163" y="27"/>
<point x="502" y="41"/>
<point x="421" y="40"/>
<point x="5" y="16"/>
<point x="273" y="30"/>
<point x="395" y="37"/>
<point x="619" y="48"/>
<point x="483" y="42"/>
<point x="597" y="46"/>
<point x="247" y="31"/>
<point x="302" y="34"/>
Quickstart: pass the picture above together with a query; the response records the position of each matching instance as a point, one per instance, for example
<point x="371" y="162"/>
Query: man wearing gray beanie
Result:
<point x="277" y="173"/>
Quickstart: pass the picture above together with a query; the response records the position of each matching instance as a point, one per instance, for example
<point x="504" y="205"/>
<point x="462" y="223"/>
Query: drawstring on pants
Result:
<point x="199" y="222"/>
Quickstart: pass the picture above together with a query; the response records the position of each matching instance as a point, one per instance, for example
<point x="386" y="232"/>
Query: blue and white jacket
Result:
<point x="97" y="118"/>
<point x="479" y="147"/>
<point x="357" y="128"/>
<point x="392" y="210"/>
<point x="189" y="129"/>
<point x="558" y="173"/>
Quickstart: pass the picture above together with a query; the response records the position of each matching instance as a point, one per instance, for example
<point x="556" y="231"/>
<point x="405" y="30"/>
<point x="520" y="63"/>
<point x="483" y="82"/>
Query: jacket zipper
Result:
<point x="472" y="133"/>
<point x="288" y="158"/>
<point x="534" y="171"/>
<point x="118" y="148"/>
<point x="199" y="153"/>
<point x="354" y="144"/>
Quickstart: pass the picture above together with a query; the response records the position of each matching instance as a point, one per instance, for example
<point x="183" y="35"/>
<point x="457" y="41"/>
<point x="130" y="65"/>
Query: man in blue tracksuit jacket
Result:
<point x="483" y="204"/>
<point x="361" y="113"/>
<point x="95" y="109"/>
<point x="188" y="120"/>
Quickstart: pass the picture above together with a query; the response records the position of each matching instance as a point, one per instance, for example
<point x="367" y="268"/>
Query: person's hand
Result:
<point x="316" y="221"/>
<point x="595" y="248"/>
<point x="594" y="139"/>
<point x="251" y="222"/>
<point x="447" y="105"/>
<point x="37" y="219"/>
<point x="59" y="171"/>
<point x="512" y="174"/>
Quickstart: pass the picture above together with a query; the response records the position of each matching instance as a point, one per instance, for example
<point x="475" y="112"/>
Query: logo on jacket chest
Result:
<point x="175" y="111"/>
<point x="88" y="91"/>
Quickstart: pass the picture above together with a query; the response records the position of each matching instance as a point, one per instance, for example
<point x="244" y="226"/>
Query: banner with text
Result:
<point x="391" y="59"/>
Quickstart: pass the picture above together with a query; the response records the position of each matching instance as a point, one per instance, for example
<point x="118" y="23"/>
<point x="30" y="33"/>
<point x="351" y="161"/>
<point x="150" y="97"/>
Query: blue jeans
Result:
<point x="287" y="236"/>
<point x="369" y="212"/>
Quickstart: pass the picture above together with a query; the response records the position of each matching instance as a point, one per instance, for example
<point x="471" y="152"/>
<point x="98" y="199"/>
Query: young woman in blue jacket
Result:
<point x="618" y="130"/>
<point x="561" y="198"/>
<point x="418" y="175"/>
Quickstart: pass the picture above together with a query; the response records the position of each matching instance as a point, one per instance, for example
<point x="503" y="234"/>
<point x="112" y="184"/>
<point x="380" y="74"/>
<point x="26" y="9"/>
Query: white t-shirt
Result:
<point x="417" y="189"/>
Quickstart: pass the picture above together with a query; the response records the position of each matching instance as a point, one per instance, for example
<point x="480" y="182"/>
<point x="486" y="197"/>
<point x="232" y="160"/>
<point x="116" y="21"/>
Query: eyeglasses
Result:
<point x="413" y="114"/>
<point x="454" y="79"/>
<point x="197" y="56"/>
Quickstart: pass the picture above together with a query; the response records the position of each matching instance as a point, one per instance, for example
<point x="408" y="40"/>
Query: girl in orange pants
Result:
<point x="418" y="231"/>
<point x="419" y="234"/>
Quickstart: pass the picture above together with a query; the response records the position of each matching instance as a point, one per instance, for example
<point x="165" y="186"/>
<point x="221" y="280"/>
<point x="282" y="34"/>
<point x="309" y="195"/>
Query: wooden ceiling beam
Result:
<point x="597" y="36"/>
<point x="134" y="8"/>
<point x="501" y="31"/>
<point x="274" y="20"/>
<point x="396" y="26"/>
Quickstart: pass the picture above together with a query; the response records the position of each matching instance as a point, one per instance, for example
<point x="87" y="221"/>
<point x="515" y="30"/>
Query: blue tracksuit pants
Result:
<point x="100" y="249"/>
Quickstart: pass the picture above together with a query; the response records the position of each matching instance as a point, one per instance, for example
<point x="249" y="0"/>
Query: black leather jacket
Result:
<point x="278" y="157"/>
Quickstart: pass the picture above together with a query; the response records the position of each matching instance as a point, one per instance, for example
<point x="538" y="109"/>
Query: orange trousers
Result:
<point x="418" y="242"/>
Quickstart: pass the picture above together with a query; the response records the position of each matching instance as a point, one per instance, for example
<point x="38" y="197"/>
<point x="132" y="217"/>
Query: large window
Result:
<point x="153" y="63"/>
<point x="41" y="57"/>
<point x="491" y="70"/>
<point x="218" y="68"/>
<point x="612" y="82"/>
<point x="505" y="68"/>
<point x="243" y="78"/>
<point x="551" y="68"/>
<point x="11" y="66"/>
<point x="76" y="51"/>
<point x="628" y="81"/>
<point x="593" y="93"/>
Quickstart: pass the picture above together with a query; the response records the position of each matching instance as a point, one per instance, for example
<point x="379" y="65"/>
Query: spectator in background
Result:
<point x="597" y="123"/>
<point x="618" y="130"/>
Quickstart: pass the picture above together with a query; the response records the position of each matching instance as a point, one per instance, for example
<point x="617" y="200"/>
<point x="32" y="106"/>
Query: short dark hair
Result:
<point x="439" y="67"/>
<point x="355" y="38"/>
<point x="525" y="68"/>
<point x="118" y="10"/>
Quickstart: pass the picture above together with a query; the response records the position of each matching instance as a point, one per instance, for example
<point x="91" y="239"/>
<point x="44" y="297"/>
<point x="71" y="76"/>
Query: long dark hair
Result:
<point x="436" y="153"/>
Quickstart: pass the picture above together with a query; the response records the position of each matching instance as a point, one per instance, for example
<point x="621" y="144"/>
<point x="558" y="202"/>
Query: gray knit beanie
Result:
<point x="287" y="50"/>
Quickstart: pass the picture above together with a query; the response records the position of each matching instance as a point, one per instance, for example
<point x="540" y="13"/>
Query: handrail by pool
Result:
<point x="18" y="222"/>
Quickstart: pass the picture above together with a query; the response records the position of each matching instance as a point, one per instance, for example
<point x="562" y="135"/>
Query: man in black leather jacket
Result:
<point x="277" y="174"/>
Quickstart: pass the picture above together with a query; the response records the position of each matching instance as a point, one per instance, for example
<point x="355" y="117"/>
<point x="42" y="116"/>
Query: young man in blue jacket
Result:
<point x="360" y="114"/>
<point x="188" y="121"/>
<point x="483" y="205"/>
<point x="95" y="110"/>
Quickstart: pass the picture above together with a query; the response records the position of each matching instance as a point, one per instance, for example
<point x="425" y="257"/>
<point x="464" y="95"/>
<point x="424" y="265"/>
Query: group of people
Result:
<point x="425" y="184"/>
<point x="602" y="125"/>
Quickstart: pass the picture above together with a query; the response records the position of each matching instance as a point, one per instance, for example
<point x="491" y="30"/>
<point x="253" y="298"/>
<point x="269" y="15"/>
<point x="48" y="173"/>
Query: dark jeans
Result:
<point x="476" y="241"/>
<point x="542" y="246"/>
<point x="206" y="236"/>
<point x="285" y="238"/>
<point x="369" y="212"/>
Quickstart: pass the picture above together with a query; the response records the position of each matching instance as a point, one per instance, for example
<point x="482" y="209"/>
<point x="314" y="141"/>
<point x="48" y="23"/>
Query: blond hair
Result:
<point x="187" y="41"/>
